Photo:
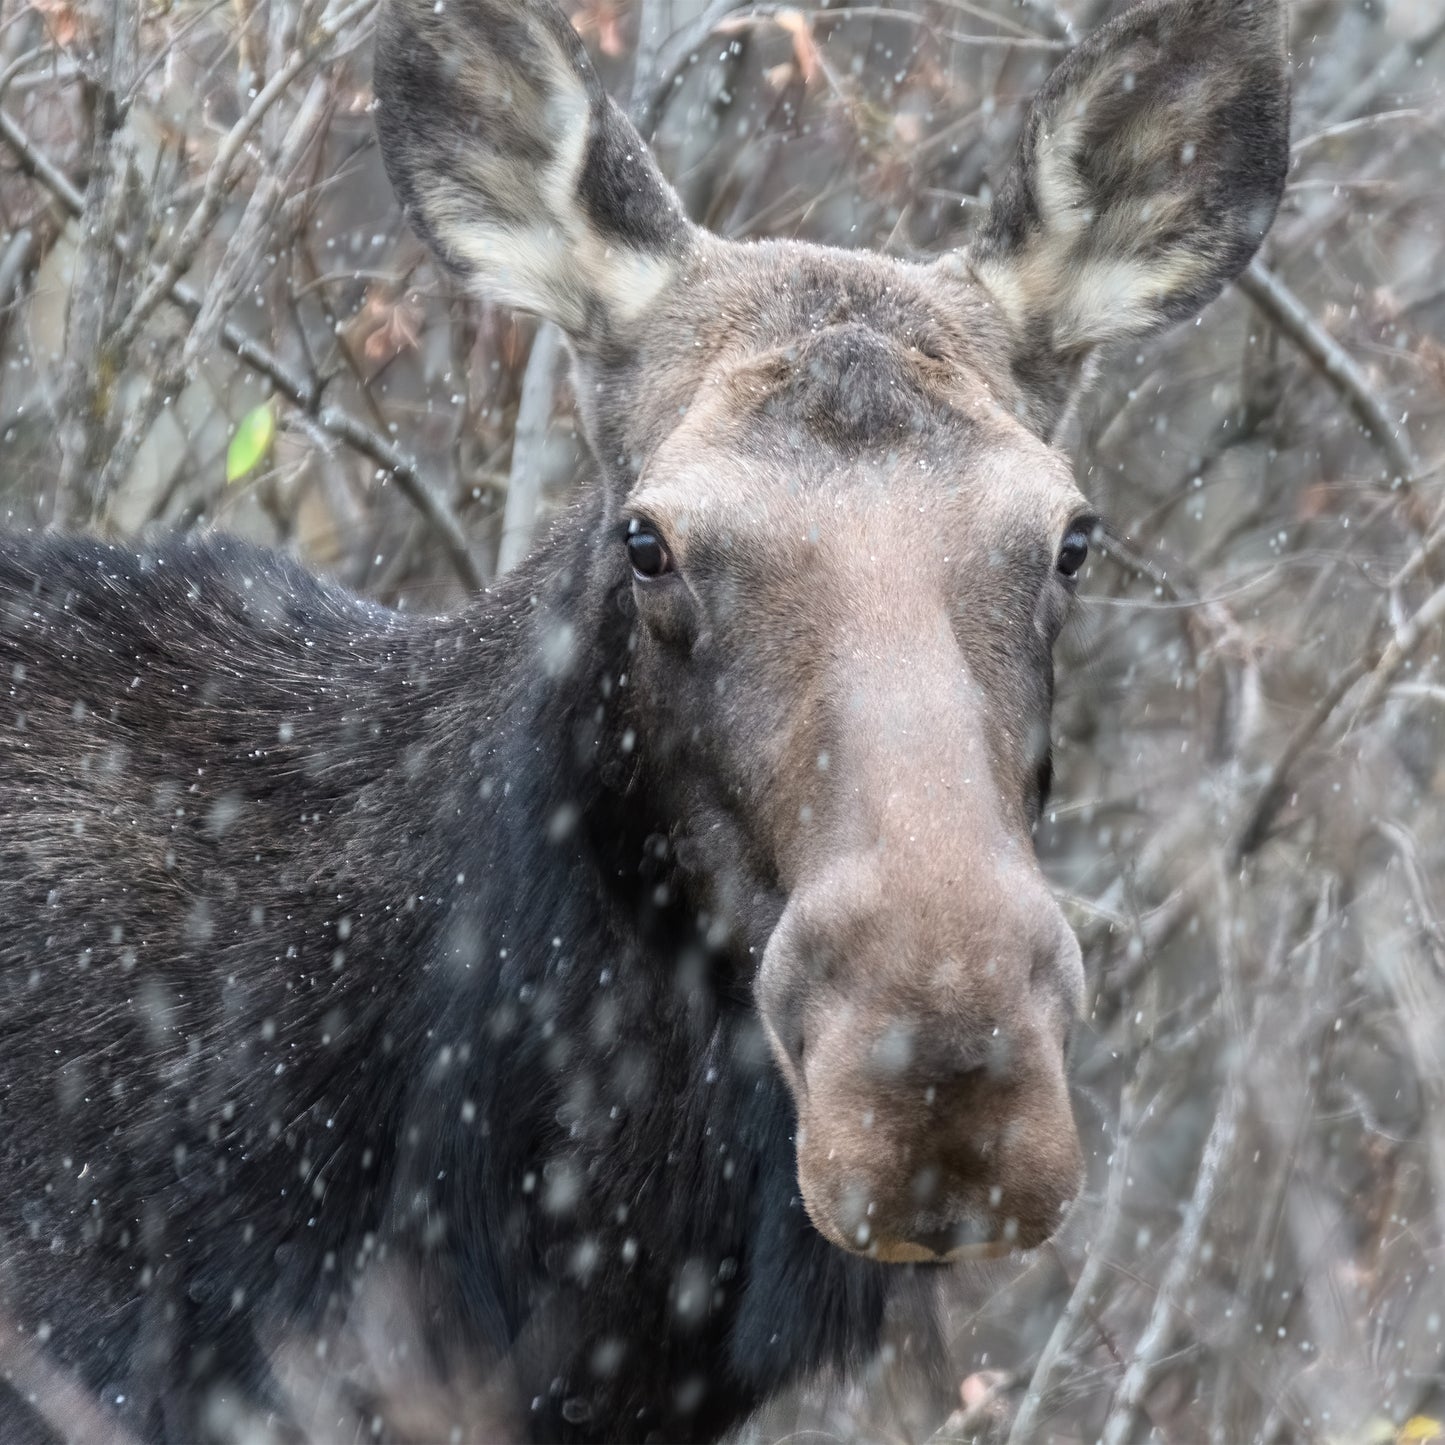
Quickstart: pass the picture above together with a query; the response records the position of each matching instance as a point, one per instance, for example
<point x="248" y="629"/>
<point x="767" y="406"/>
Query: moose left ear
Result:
<point x="1151" y="165"/>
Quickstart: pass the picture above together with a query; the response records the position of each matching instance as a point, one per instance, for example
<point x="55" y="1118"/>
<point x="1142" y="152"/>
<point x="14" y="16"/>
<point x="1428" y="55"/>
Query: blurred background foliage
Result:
<point x="212" y="315"/>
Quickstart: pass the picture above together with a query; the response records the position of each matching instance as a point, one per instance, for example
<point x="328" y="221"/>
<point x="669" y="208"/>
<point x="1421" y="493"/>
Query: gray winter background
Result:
<point x="196" y="237"/>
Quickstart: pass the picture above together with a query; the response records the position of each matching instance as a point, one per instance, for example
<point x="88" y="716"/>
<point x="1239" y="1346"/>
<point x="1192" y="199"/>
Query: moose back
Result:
<point x="623" y="986"/>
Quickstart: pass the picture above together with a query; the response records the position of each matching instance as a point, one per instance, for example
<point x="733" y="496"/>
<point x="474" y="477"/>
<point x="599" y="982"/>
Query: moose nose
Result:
<point x="923" y="1041"/>
<point x="915" y="1147"/>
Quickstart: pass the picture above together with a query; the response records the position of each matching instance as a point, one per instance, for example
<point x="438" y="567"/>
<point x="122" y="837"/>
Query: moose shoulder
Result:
<point x="628" y="981"/>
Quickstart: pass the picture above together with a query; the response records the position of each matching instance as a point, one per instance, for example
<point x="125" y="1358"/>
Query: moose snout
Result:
<point x="942" y="1162"/>
<point x="934" y="1120"/>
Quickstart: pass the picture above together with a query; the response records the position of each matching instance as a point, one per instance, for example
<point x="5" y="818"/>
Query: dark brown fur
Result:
<point x="624" y="980"/>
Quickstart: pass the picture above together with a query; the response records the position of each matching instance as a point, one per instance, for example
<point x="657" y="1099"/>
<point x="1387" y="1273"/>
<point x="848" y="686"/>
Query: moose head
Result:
<point x="835" y="519"/>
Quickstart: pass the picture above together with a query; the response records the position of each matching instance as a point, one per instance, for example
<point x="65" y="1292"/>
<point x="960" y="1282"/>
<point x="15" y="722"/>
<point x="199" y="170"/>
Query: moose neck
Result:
<point x="553" y="768"/>
<point x="578" y="975"/>
<point x="551" y="856"/>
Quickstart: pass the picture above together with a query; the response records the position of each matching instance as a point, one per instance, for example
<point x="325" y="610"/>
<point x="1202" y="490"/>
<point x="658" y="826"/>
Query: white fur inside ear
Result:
<point x="1115" y="297"/>
<point x="1090" y="295"/>
<point x="557" y="272"/>
<point x="560" y="266"/>
<point x="567" y="113"/>
<point x="1100" y="268"/>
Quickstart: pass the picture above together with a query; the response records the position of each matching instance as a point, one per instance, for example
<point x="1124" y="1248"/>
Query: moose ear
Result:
<point x="1151" y="165"/>
<point x="516" y="166"/>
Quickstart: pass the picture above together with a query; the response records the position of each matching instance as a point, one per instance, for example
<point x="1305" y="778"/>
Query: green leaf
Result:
<point x="252" y="441"/>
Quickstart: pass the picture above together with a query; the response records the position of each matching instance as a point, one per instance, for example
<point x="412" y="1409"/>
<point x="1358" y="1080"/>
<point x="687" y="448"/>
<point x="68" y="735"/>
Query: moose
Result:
<point x="637" y="978"/>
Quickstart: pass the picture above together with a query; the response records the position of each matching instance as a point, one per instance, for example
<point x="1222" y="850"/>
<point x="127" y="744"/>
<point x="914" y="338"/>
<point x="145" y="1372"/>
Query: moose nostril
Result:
<point x="794" y="1043"/>
<point x="787" y="1028"/>
<point x="1057" y="963"/>
<point x="937" y="1057"/>
<point x="927" y="1184"/>
<point x="781" y="1009"/>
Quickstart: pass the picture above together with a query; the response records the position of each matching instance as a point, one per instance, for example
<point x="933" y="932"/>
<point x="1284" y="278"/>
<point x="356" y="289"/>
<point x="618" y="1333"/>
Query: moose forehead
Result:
<point x="848" y="430"/>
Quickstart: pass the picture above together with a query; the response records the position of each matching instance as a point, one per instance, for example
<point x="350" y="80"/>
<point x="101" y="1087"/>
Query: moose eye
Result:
<point x="648" y="556"/>
<point x="1073" y="551"/>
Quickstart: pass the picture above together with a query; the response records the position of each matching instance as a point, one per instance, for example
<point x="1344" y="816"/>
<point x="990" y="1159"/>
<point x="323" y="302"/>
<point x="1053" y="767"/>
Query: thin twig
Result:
<point x="247" y="243"/>
<point x="1407" y="848"/>
<point x="37" y="165"/>
<point x="1336" y="365"/>
<point x="1035" y="1401"/>
<point x="1399" y="651"/>
<point x="534" y="417"/>
<point x="673" y="62"/>
<point x="1352" y="127"/>
<point x="13" y="261"/>
<point x="1047" y="13"/>
<point x="303" y="391"/>
<point x="403" y="470"/>
<point x="1421" y="558"/>
<point x="773" y="13"/>
<point x="1395" y="65"/>
<point x="1271" y="794"/>
<point x="219" y="179"/>
<point x="1218" y="1148"/>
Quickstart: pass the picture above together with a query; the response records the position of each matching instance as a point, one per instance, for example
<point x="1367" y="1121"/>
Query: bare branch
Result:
<point x="13" y="261"/>
<point x="301" y="390"/>
<point x="1218" y="1150"/>
<point x="1336" y="365"/>
<point x="219" y="178"/>
<point x="247" y="245"/>
<point x="1271" y="794"/>
<point x="1033" y="1410"/>
<point x="1407" y="639"/>
<point x="534" y="417"/>
<point x="402" y="469"/>
<point x="85" y="413"/>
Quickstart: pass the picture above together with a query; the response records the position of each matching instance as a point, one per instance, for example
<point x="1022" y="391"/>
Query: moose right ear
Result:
<point x="516" y="166"/>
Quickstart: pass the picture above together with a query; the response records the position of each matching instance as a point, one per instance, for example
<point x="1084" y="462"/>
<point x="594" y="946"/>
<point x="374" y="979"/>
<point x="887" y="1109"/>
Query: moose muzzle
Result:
<point x="934" y="1120"/>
